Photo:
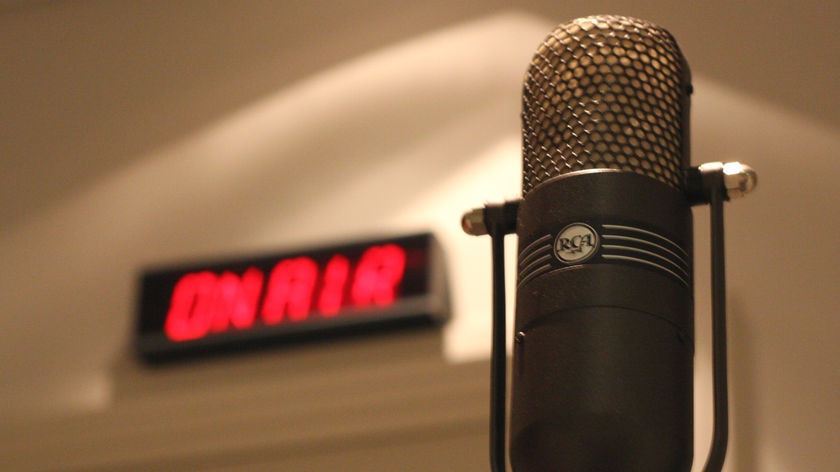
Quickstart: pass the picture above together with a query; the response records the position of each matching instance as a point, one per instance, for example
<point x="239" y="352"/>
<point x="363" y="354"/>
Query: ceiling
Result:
<point x="88" y="86"/>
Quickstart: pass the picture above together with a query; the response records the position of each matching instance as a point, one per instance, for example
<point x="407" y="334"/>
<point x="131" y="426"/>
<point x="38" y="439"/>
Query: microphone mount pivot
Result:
<point x="732" y="179"/>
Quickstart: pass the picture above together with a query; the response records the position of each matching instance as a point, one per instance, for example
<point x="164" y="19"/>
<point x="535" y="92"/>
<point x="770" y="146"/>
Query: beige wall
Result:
<point x="381" y="403"/>
<point x="144" y="132"/>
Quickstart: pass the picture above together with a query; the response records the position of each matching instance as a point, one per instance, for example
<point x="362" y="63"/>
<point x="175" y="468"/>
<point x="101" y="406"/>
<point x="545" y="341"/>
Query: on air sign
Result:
<point x="274" y="298"/>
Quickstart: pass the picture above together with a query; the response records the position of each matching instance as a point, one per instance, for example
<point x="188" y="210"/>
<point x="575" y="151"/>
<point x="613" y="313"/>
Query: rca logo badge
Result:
<point x="576" y="243"/>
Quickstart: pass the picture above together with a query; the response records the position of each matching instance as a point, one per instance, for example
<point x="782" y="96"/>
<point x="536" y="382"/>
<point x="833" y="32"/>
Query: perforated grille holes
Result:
<point x="605" y="92"/>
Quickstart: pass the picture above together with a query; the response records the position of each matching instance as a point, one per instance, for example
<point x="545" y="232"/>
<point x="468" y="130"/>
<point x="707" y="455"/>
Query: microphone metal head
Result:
<point x="606" y="92"/>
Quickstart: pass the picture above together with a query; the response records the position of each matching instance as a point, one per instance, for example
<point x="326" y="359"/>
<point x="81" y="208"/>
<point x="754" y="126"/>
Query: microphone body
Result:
<point x="604" y="338"/>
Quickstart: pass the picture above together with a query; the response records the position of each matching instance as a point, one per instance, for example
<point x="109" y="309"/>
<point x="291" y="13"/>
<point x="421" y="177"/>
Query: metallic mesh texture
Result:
<point x="606" y="92"/>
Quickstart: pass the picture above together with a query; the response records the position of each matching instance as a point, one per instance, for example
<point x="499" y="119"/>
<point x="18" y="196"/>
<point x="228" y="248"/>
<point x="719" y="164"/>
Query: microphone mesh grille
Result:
<point x="606" y="92"/>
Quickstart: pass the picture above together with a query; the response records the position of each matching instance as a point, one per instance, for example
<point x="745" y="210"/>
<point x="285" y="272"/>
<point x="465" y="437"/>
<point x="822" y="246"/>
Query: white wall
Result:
<point x="402" y="140"/>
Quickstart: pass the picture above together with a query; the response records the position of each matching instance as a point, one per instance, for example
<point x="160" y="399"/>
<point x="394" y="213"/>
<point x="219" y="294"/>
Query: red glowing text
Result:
<point x="295" y="290"/>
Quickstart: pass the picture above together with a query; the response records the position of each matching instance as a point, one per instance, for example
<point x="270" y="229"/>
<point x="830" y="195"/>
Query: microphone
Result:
<point x="602" y="375"/>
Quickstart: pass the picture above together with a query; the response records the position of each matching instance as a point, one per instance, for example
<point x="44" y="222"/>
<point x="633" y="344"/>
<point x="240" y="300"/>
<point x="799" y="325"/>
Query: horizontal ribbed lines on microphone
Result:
<point x="536" y="259"/>
<point x="636" y="245"/>
<point x="608" y="243"/>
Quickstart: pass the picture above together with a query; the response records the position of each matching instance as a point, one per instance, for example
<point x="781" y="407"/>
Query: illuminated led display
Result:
<point x="240" y="303"/>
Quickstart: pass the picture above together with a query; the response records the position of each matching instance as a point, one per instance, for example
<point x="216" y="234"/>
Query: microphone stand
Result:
<point x="496" y="220"/>
<point x="720" y="431"/>
<point x="498" y="360"/>
<point x="713" y="184"/>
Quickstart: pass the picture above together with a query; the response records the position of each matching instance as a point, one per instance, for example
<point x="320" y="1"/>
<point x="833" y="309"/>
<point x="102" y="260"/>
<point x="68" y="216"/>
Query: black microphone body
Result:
<point x="604" y="338"/>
